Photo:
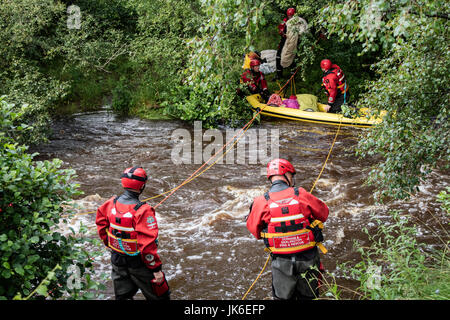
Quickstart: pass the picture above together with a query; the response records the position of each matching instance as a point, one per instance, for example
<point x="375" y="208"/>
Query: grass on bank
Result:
<point x="396" y="266"/>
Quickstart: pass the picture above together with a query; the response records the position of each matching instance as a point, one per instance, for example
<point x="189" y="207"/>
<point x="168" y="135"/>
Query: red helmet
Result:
<point x="134" y="178"/>
<point x="279" y="167"/>
<point x="290" y="12"/>
<point x="254" y="63"/>
<point x="253" y="55"/>
<point x="325" y="64"/>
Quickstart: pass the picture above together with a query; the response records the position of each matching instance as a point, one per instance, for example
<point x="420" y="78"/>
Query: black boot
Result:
<point x="278" y="75"/>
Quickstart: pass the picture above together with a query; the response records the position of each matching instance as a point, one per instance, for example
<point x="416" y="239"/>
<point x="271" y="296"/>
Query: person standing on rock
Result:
<point x="128" y="228"/>
<point x="290" y="220"/>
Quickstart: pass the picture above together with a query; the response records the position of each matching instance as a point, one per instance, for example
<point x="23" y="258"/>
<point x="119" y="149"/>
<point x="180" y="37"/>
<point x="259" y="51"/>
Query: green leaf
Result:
<point x="34" y="239"/>
<point x="42" y="290"/>
<point x="19" y="269"/>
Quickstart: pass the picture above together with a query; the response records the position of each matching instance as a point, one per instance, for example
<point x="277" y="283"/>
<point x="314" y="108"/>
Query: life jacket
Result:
<point x="289" y="230"/>
<point x="121" y="234"/>
<point x="254" y="80"/>
<point x="341" y="80"/>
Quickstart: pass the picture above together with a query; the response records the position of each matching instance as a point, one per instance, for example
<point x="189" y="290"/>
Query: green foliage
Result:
<point x="397" y="266"/>
<point x="35" y="258"/>
<point x="160" y="46"/>
<point x="121" y="98"/>
<point x="444" y="197"/>
<point x="11" y="128"/>
<point x="207" y="90"/>
<point x="26" y="34"/>
<point x="412" y="86"/>
<point x="46" y="63"/>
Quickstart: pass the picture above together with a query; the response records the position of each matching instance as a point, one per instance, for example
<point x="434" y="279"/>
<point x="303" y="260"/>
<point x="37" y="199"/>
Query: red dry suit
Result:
<point x="284" y="219"/>
<point x="334" y="82"/>
<point x="254" y="80"/>
<point x="130" y="229"/>
<point x="282" y="28"/>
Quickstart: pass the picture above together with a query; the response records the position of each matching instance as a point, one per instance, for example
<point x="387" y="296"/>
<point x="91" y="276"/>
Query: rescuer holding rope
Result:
<point x="290" y="220"/>
<point x="128" y="227"/>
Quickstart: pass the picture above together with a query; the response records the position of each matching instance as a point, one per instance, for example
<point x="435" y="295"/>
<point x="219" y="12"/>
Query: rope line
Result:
<point x="244" y="129"/>
<point x="287" y="82"/>
<point x="326" y="160"/>
<point x="194" y="175"/>
<point x="259" y="275"/>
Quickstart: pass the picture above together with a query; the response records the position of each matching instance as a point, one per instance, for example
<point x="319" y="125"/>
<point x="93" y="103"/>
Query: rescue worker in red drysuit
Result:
<point x="129" y="228"/>
<point x="335" y="84"/>
<point x="255" y="80"/>
<point x="289" y="220"/>
<point x="282" y="30"/>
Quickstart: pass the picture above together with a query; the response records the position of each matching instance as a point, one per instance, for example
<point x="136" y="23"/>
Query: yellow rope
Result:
<point x="295" y="90"/>
<point x="247" y="126"/>
<point x="314" y="184"/>
<point x="326" y="160"/>
<point x="259" y="275"/>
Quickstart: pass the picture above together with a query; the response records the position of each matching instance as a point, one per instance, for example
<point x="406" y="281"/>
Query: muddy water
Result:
<point x="206" y="249"/>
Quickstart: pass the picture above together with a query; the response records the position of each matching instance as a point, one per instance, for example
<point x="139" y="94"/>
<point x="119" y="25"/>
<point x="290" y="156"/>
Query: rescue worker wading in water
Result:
<point x="290" y="221"/>
<point x="335" y="84"/>
<point x="128" y="227"/>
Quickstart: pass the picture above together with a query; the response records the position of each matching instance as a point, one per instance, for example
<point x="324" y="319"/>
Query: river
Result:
<point x="206" y="250"/>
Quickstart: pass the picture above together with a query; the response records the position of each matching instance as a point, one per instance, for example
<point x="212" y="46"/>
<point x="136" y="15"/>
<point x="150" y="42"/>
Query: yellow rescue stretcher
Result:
<point x="363" y="121"/>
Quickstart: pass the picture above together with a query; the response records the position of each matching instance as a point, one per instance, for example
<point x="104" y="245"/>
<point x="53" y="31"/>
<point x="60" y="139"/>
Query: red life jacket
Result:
<point x="336" y="75"/>
<point x="287" y="231"/>
<point x="121" y="234"/>
<point x="254" y="80"/>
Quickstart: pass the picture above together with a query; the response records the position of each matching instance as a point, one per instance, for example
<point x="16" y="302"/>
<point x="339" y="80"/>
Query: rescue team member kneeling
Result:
<point x="128" y="227"/>
<point x="290" y="221"/>
<point x="255" y="80"/>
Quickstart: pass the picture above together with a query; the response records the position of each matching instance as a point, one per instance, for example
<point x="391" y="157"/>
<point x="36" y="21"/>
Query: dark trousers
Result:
<point x="295" y="279"/>
<point x="129" y="274"/>
<point x="278" y="57"/>
<point x="336" y="106"/>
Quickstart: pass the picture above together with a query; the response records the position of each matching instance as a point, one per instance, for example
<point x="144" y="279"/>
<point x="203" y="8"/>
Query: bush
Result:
<point x="121" y="98"/>
<point x="397" y="266"/>
<point x="32" y="195"/>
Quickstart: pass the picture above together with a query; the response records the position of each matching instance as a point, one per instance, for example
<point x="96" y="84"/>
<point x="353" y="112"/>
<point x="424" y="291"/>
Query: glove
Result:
<point x="316" y="227"/>
<point x="159" y="284"/>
